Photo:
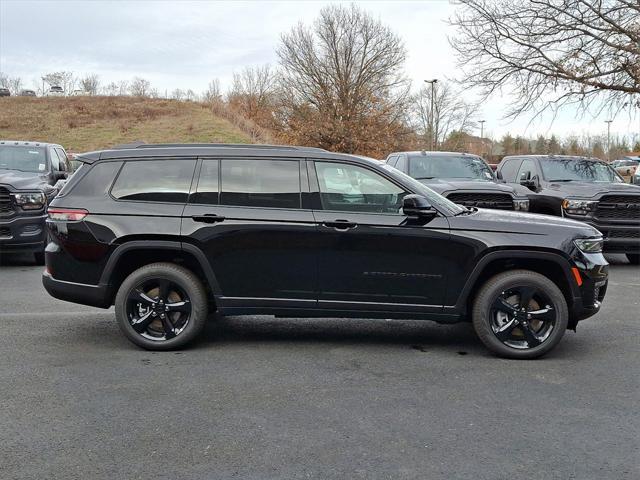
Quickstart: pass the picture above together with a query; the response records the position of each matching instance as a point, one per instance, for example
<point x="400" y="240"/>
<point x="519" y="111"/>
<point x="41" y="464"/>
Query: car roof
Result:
<point x="553" y="157"/>
<point x="27" y="143"/>
<point x="190" y="150"/>
<point x="428" y="153"/>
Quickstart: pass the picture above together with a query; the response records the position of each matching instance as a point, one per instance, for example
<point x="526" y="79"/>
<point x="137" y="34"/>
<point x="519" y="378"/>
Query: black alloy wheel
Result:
<point x="520" y="314"/>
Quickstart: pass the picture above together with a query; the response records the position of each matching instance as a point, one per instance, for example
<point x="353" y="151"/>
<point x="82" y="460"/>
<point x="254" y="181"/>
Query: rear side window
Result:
<point x="207" y="190"/>
<point x="509" y="169"/>
<point x="260" y="183"/>
<point x="155" y="181"/>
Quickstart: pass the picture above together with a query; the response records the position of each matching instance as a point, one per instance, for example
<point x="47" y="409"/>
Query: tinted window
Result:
<point x="207" y="190"/>
<point x="509" y="169"/>
<point x="155" y="181"/>
<point x="261" y="183"/>
<point x="351" y="188"/>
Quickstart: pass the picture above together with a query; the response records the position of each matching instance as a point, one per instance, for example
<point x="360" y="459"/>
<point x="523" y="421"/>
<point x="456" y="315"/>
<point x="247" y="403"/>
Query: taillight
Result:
<point x="67" y="214"/>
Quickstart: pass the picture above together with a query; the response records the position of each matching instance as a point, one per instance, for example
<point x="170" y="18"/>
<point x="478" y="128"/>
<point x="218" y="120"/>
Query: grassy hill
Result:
<point x="91" y="123"/>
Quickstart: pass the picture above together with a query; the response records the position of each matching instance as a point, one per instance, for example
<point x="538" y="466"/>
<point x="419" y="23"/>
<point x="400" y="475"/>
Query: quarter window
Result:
<point x="260" y="183"/>
<point x="351" y="188"/>
<point x="155" y="180"/>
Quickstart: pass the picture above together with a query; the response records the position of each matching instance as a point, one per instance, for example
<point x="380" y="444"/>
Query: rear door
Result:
<point x="246" y="215"/>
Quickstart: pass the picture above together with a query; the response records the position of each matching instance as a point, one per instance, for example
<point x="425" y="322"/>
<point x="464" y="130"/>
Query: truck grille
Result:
<point x="619" y="207"/>
<point x="502" y="201"/>
<point x="624" y="234"/>
<point x="6" y="205"/>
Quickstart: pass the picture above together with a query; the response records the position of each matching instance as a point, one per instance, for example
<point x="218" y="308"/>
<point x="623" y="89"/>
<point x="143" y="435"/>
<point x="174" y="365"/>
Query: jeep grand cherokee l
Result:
<point x="462" y="178"/>
<point x="167" y="233"/>
<point x="28" y="174"/>
<point x="584" y="189"/>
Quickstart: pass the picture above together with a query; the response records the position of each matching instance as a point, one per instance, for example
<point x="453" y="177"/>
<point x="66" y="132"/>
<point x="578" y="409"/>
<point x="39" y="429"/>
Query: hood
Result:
<point x="523" y="222"/>
<point x="23" y="180"/>
<point x="591" y="189"/>
<point x="445" y="185"/>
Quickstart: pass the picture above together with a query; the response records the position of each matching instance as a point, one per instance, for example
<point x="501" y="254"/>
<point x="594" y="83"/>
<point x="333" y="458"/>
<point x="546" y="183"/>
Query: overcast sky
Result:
<point x="180" y="44"/>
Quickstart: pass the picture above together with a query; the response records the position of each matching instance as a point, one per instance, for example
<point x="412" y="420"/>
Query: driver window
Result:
<point x="351" y="188"/>
<point x="55" y="160"/>
<point x="527" y="171"/>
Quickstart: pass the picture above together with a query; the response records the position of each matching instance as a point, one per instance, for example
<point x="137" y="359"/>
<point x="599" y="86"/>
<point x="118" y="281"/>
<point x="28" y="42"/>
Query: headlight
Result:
<point x="30" y="201"/>
<point x="522" y="205"/>
<point x="589" y="245"/>
<point x="579" y="207"/>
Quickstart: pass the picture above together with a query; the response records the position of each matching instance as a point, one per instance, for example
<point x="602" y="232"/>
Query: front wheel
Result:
<point x="634" y="258"/>
<point x="161" y="306"/>
<point x="520" y="314"/>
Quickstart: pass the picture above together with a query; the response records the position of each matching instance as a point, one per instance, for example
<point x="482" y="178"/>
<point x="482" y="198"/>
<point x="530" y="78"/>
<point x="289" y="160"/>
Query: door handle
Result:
<point x="208" y="218"/>
<point x="342" y="225"/>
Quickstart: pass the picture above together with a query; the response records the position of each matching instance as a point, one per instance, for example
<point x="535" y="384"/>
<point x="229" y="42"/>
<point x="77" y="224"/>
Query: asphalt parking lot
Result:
<point x="263" y="398"/>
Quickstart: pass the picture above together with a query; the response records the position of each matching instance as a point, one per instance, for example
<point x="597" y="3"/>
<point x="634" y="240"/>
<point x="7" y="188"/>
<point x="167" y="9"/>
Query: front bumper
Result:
<point x="23" y="233"/>
<point x="593" y="270"/>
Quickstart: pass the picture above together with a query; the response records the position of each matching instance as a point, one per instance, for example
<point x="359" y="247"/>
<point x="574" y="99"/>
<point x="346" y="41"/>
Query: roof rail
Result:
<point x="216" y="145"/>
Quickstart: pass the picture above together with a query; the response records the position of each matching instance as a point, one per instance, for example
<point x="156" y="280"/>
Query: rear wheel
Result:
<point x="161" y="306"/>
<point x="634" y="258"/>
<point x="520" y="314"/>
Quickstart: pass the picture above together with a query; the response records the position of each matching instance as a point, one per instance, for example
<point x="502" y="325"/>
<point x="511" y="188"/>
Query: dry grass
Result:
<point x="91" y="123"/>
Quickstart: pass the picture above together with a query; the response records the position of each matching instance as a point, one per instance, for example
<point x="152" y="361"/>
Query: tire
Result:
<point x="39" y="257"/>
<point x="519" y="327"/>
<point x="634" y="258"/>
<point x="183" y="290"/>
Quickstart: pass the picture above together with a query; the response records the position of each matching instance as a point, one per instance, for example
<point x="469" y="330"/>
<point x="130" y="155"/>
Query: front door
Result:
<point x="246" y="215"/>
<point x="370" y="256"/>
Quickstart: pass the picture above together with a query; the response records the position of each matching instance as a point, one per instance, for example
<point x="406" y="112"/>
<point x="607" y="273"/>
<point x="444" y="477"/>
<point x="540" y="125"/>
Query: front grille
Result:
<point x="6" y="205"/>
<point x="502" y="201"/>
<point x="5" y="232"/>
<point x="624" y="233"/>
<point x="619" y="207"/>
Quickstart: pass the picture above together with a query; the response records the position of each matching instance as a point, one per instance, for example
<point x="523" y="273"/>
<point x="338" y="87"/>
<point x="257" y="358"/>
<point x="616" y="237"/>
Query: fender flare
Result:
<point x="162" y="245"/>
<point x="556" y="258"/>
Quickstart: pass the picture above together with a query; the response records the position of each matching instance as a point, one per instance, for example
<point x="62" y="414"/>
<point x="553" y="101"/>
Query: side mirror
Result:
<point x="59" y="175"/>
<point x="417" y="206"/>
<point x="499" y="175"/>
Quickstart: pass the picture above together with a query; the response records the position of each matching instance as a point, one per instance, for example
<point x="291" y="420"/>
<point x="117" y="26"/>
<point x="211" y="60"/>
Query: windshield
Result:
<point x="23" y="159"/>
<point x="577" y="170"/>
<point x="445" y="206"/>
<point x="449" y="166"/>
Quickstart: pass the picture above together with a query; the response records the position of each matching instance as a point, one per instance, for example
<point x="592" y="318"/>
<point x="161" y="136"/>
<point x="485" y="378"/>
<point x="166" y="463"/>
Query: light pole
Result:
<point x="481" y="122"/>
<point x="433" y="122"/>
<point x="608" y="122"/>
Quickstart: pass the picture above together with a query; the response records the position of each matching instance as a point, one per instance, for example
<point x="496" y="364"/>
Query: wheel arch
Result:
<point x="552" y="265"/>
<point x="132" y="255"/>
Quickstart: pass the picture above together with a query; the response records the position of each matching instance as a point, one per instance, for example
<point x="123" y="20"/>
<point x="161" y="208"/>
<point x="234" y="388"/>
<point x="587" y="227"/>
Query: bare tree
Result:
<point x="213" y="92"/>
<point x="90" y="83"/>
<point x="123" y="88"/>
<point x="343" y="82"/>
<point x="450" y="113"/>
<point x="63" y="79"/>
<point x="139" y="87"/>
<point x="252" y="91"/>
<point x="177" y="94"/>
<point x="14" y="84"/>
<point x="551" y="52"/>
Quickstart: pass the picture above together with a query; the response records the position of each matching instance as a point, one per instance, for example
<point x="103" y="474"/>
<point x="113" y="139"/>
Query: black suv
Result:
<point x="461" y="177"/>
<point x="29" y="172"/>
<point x="168" y="233"/>
<point x="585" y="189"/>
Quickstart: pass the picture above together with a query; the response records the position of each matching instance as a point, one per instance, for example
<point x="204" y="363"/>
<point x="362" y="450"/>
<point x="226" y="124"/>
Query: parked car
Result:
<point x="584" y="189"/>
<point x="79" y="93"/>
<point x="55" y="91"/>
<point x="28" y="173"/>
<point x="636" y="177"/>
<point x="27" y="93"/>
<point x="5" y="92"/>
<point x="626" y="168"/>
<point x="462" y="178"/>
<point x="167" y="233"/>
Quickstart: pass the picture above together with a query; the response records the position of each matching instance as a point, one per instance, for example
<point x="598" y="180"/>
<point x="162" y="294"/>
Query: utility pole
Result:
<point x="608" y="122"/>
<point x="433" y="121"/>
<point x="481" y="136"/>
